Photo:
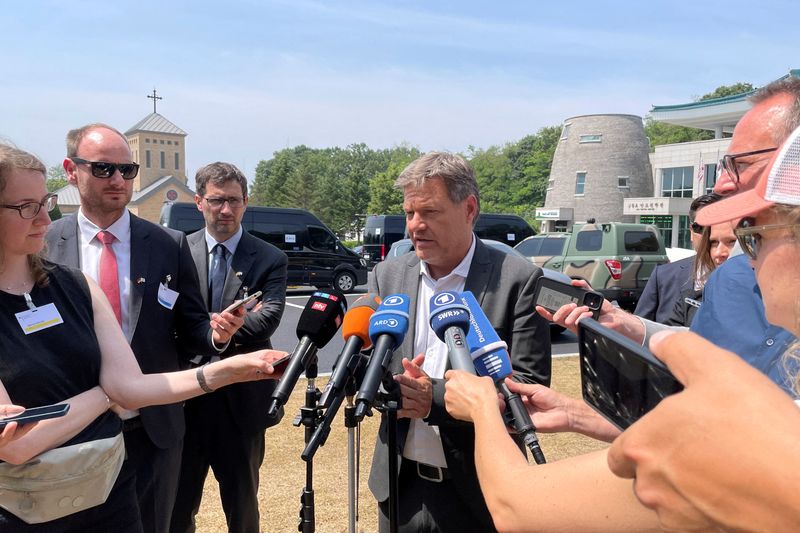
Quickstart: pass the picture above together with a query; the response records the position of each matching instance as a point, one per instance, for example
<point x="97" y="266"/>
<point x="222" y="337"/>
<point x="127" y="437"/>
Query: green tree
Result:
<point x="727" y="90"/>
<point x="56" y="178"/>
<point x="384" y="198"/>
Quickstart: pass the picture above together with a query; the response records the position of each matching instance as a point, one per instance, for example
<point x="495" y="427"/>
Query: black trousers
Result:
<point x="214" y="440"/>
<point x="156" y="477"/>
<point x="429" y="507"/>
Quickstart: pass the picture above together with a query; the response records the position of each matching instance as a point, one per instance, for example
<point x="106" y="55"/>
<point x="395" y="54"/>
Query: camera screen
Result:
<point x="619" y="383"/>
<point x="553" y="300"/>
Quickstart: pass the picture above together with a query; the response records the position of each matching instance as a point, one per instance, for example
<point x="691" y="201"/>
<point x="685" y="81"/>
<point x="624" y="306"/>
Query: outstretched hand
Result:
<point x="416" y="388"/>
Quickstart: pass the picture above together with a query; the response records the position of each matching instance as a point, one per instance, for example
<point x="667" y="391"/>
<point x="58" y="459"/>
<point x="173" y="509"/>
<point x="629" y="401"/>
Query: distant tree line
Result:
<point x="340" y="185"/>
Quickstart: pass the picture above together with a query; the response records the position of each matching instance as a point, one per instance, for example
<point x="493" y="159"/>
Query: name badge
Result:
<point x="166" y="296"/>
<point x="39" y="318"/>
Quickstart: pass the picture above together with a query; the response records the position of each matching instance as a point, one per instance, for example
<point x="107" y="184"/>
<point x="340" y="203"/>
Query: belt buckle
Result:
<point x="438" y="470"/>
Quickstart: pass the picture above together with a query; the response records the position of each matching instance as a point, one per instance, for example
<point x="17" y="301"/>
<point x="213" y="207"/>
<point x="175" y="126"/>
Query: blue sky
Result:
<point x="247" y="78"/>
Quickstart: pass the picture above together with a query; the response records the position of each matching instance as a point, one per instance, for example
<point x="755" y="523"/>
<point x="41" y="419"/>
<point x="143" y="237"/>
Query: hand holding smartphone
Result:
<point x="244" y="301"/>
<point x="34" y="414"/>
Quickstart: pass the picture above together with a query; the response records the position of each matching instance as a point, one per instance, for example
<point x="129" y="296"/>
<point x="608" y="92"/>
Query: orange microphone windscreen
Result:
<point x="356" y="320"/>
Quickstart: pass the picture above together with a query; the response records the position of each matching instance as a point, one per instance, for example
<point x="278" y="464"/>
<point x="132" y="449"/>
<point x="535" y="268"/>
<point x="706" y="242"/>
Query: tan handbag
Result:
<point x="62" y="481"/>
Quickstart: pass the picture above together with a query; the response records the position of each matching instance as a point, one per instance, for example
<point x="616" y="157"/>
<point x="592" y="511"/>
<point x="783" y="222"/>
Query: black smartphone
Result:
<point x="555" y="290"/>
<point x="620" y="379"/>
<point x="280" y="364"/>
<point x="34" y="414"/>
<point x="244" y="301"/>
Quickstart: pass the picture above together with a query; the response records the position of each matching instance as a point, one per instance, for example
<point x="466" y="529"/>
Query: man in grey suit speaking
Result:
<point x="438" y="485"/>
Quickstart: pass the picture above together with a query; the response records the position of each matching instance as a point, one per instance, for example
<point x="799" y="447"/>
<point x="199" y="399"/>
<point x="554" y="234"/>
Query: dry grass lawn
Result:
<point x="283" y="472"/>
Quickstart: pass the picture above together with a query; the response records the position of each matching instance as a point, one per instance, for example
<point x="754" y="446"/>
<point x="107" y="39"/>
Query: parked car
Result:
<point x="508" y="229"/>
<point x="615" y="258"/>
<point x="316" y="256"/>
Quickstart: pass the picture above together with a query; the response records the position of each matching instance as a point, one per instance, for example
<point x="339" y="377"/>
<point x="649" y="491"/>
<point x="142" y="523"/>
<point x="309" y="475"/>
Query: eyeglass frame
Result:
<point x="696" y="228"/>
<point x="729" y="160"/>
<point x="114" y="168"/>
<point x="39" y="205"/>
<point x="749" y="237"/>
<point x="222" y="201"/>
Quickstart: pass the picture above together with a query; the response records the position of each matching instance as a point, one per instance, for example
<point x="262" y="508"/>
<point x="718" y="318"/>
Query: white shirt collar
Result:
<point x="461" y="269"/>
<point x="231" y="244"/>
<point x="120" y="228"/>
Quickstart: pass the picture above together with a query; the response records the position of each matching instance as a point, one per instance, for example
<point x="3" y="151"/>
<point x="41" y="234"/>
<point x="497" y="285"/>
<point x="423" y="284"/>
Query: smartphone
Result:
<point x="34" y="414"/>
<point x="244" y="301"/>
<point x="620" y="379"/>
<point x="555" y="290"/>
<point x="280" y="364"/>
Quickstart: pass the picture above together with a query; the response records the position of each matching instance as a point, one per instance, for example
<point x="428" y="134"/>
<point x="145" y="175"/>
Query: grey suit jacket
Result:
<point x="664" y="288"/>
<point x="256" y="266"/>
<point x="156" y="331"/>
<point x="504" y="286"/>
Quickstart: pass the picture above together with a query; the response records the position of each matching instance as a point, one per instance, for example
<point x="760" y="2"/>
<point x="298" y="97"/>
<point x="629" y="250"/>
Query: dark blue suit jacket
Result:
<point x="664" y="288"/>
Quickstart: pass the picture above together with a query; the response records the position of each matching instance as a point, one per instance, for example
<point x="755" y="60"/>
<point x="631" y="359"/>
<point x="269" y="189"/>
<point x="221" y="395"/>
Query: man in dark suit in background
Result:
<point x="149" y="278"/>
<point x="671" y="281"/>
<point x="225" y="429"/>
<point x="438" y="484"/>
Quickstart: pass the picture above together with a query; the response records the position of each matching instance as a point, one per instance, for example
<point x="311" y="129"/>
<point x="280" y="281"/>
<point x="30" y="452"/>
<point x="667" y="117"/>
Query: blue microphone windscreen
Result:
<point x="489" y="352"/>
<point x="391" y="318"/>
<point x="447" y="311"/>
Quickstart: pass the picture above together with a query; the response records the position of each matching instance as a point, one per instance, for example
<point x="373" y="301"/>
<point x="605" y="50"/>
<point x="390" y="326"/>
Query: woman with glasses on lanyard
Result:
<point x="62" y="344"/>
<point x="693" y="458"/>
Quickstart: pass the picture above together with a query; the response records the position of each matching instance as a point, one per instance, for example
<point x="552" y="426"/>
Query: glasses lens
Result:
<point x="235" y="203"/>
<point x="29" y="210"/>
<point x="697" y="228"/>
<point x="51" y="202"/>
<point x="128" y="170"/>
<point x="101" y="169"/>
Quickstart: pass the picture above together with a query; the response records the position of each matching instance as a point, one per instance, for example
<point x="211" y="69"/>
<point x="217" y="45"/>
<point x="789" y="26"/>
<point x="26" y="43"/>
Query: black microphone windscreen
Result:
<point x="322" y="316"/>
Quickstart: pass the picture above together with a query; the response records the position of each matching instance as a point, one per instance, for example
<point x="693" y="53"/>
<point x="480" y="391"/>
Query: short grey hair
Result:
<point x="787" y="85"/>
<point x="453" y="170"/>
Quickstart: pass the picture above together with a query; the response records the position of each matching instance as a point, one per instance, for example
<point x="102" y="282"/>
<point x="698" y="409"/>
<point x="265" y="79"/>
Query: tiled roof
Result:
<point x="155" y="123"/>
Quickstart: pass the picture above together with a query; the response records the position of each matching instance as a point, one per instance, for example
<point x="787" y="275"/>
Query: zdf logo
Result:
<point x="444" y="298"/>
<point x="393" y="300"/>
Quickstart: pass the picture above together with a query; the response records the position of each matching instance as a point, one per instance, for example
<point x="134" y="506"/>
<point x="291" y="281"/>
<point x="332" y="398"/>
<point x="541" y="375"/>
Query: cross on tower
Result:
<point x="154" y="97"/>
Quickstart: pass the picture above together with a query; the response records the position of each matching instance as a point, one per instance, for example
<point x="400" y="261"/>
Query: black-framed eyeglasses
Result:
<point x="104" y="169"/>
<point x="233" y="201"/>
<point x="696" y="228"/>
<point x="733" y="167"/>
<point x="749" y="236"/>
<point x="29" y="210"/>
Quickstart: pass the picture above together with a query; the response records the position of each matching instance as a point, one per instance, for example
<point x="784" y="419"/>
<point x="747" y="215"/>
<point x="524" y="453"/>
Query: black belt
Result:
<point x="428" y="472"/>
<point x="132" y="424"/>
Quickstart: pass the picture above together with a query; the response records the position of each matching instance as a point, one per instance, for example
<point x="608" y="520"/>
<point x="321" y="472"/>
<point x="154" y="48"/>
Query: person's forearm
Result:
<point x="48" y="434"/>
<point x="586" y="421"/>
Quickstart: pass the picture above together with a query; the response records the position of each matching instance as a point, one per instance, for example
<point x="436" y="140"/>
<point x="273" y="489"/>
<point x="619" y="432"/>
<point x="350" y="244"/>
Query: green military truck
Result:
<point x="615" y="258"/>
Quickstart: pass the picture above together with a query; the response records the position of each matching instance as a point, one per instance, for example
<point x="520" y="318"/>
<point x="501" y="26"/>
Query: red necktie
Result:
<point x="109" y="279"/>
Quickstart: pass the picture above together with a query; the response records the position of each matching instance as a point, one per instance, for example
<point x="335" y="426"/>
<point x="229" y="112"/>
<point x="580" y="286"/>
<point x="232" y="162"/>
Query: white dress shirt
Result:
<point x="90" y="250"/>
<point x="423" y="443"/>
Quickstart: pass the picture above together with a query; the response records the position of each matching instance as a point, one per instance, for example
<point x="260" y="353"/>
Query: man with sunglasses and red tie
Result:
<point x="149" y="277"/>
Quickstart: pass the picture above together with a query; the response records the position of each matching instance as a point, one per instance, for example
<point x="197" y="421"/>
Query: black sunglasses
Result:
<point x="104" y="169"/>
<point x="696" y="228"/>
<point x="730" y="165"/>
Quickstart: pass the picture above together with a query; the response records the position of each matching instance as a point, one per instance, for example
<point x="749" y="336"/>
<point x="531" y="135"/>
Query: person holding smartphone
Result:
<point x="63" y="343"/>
<point x="12" y="430"/>
<point x="687" y="451"/>
<point x="225" y="430"/>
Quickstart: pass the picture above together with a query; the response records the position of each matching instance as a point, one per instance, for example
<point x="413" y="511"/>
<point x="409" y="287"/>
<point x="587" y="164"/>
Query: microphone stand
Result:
<point x="353" y="458"/>
<point x="389" y="402"/>
<point x="308" y="417"/>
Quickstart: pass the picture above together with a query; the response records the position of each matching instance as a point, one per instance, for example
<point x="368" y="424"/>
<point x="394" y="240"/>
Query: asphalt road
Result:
<point x="285" y="337"/>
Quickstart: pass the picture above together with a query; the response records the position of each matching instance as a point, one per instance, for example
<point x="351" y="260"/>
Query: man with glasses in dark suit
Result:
<point x="147" y="273"/>
<point x="225" y="429"/>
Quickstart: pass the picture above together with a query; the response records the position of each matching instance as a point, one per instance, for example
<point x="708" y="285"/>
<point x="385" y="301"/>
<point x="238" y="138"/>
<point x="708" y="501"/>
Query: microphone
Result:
<point x="387" y="329"/>
<point x="490" y="356"/>
<point x="449" y="320"/>
<point x="355" y="330"/>
<point x="318" y="323"/>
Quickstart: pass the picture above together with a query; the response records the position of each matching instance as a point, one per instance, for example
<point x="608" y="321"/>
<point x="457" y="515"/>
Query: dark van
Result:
<point x="316" y="256"/>
<point x="508" y="229"/>
<point x="380" y="232"/>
